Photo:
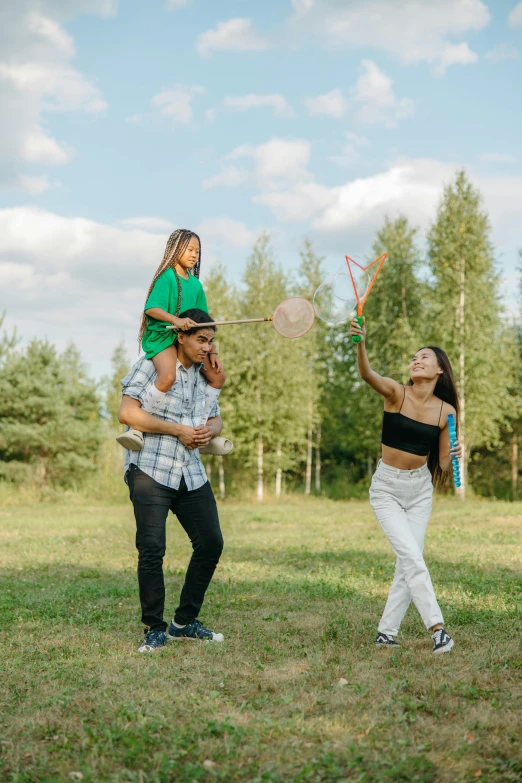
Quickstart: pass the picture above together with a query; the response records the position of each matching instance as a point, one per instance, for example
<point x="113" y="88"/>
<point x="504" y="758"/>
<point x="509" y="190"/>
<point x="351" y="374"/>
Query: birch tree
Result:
<point x="315" y="351"/>
<point x="266" y="375"/>
<point x="467" y="315"/>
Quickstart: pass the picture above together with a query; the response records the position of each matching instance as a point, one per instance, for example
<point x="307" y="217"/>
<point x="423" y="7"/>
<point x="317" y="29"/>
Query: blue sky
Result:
<point x="126" y="120"/>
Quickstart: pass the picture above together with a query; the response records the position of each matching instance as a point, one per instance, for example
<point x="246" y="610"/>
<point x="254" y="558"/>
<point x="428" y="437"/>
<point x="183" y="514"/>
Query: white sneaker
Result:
<point x="219" y="447"/>
<point x="132" y="440"/>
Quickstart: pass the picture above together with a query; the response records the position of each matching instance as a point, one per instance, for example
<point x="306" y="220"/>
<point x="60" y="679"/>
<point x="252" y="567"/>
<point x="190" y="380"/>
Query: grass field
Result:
<point x="298" y="595"/>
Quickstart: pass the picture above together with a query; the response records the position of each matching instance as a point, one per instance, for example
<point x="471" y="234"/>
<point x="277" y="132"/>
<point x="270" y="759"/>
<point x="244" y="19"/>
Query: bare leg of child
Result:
<point x="215" y="383"/>
<point x="165" y="364"/>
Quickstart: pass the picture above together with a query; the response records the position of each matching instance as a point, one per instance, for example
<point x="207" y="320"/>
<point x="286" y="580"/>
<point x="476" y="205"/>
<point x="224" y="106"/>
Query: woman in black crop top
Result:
<point x="415" y="454"/>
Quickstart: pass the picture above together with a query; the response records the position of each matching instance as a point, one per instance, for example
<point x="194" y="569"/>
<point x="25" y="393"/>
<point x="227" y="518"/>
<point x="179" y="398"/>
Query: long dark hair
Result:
<point x="446" y="389"/>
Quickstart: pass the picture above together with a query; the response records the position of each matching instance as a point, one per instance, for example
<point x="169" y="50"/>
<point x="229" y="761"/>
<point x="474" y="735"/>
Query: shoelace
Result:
<point x="152" y="637"/>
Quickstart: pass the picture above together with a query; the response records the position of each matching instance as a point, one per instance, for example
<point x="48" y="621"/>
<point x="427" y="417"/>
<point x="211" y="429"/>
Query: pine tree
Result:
<point x="467" y="315"/>
<point x="121" y="364"/>
<point x="50" y="416"/>
<point x="393" y="310"/>
<point x="8" y="342"/>
<point x="397" y="299"/>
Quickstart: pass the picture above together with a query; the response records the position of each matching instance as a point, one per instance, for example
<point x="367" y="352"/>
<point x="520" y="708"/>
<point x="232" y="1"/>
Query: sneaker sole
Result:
<point x="193" y="638"/>
<point x="129" y="443"/>
<point x="447" y="647"/>
<point x="152" y="650"/>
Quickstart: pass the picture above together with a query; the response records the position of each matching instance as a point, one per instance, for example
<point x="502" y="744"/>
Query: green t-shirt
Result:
<point x="165" y="295"/>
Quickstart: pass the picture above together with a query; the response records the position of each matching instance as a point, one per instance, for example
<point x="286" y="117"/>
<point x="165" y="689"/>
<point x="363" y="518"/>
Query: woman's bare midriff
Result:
<point x="402" y="459"/>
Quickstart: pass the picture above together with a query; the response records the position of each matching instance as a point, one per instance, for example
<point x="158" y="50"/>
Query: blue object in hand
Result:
<point x="453" y="442"/>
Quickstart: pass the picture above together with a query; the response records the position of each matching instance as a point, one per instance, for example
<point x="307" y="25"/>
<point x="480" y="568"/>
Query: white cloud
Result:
<point x="176" y="102"/>
<point x="39" y="148"/>
<point x="413" y="30"/>
<point x="413" y="187"/>
<point x="59" y="87"/>
<point x="515" y="17"/>
<point x="66" y="278"/>
<point x="225" y="232"/>
<point x="374" y="94"/>
<point x="356" y="208"/>
<point x="272" y="163"/>
<point x="503" y="51"/>
<point x="228" y="177"/>
<point x="350" y="149"/>
<point x="234" y="35"/>
<point x="153" y="224"/>
<point x="498" y="157"/>
<point x="332" y="103"/>
<point x="32" y="185"/>
<point x="372" y="100"/>
<point x="36" y="77"/>
<point x="50" y="30"/>
<point x="456" y="54"/>
<point x="277" y="159"/>
<point x="61" y="278"/>
<point x="301" y="201"/>
<point x="254" y="101"/>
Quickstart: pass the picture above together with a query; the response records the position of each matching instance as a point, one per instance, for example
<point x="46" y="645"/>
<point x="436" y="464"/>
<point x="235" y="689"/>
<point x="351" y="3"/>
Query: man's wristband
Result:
<point x="213" y="353"/>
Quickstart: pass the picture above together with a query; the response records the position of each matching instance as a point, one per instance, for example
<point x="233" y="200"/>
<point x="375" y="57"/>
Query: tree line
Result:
<point x="299" y="416"/>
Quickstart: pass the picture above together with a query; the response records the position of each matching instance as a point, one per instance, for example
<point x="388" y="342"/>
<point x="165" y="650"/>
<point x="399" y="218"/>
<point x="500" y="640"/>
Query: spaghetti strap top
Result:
<point x="406" y="434"/>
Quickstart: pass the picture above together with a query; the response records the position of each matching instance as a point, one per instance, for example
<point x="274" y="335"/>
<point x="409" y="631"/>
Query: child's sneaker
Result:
<point x="442" y="641"/>
<point x="219" y="447"/>
<point x="132" y="440"/>
<point x="194" y="630"/>
<point x="153" y="641"/>
<point x="382" y="639"/>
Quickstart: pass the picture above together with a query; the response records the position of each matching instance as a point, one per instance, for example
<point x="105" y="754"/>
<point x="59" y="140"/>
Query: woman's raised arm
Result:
<point x="385" y="386"/>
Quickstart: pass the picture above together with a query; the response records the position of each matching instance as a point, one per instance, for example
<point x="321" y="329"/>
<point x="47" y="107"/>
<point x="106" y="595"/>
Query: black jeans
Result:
<point x="197" y="513"/>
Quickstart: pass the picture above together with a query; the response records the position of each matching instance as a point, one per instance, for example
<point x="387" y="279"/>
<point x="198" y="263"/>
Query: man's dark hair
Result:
<point x="199" y="316"/>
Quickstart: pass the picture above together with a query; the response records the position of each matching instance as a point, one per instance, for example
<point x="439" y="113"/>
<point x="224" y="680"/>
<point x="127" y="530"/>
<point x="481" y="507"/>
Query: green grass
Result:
<point x="298" y="595"/>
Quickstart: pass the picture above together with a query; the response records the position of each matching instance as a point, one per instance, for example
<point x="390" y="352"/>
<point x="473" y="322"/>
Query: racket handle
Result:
<point x="453" y="440"/>
<point x="356" y="338"/>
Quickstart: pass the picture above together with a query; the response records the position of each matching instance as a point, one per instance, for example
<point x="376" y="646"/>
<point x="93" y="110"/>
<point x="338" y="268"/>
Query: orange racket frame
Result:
<point x="361" y="302"/>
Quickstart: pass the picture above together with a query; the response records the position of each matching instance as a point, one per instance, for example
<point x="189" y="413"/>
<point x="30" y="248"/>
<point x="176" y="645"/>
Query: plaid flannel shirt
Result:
<point x="163" y="457"/>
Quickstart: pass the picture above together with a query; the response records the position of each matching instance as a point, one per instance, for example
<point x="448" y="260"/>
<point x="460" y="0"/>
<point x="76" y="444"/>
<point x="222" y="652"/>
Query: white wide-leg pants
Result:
<point x="401" y="500"/>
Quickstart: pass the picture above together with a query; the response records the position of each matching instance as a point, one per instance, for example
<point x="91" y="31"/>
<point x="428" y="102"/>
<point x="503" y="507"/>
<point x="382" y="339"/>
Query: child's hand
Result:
<point x="215" y="362"/>
<point x="184" y="324"/>
<point x="356" y="329"/>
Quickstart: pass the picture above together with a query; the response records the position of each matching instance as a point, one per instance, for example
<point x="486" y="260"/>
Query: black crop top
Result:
<point x="405" y="434"/>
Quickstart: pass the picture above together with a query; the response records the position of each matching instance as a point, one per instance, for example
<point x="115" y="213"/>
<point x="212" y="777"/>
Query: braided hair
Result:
<point x="176" y="245"/>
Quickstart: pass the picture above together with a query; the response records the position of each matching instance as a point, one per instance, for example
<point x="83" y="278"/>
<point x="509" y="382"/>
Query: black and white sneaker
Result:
<point x="383" y="640"/>
<point x="442" y="641"/>
<point x="194" y="630"/>
<point x="153" y="641"/>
